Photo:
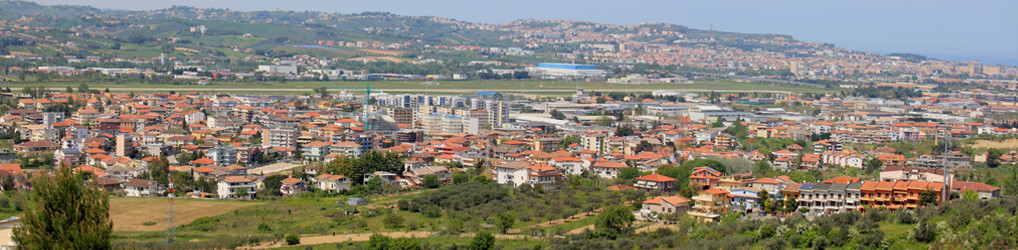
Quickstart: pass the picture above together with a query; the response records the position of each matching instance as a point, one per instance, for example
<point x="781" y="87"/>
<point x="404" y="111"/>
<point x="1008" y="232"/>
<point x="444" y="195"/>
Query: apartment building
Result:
<point x="709" y="204"/>
<point x="283" y="138"/>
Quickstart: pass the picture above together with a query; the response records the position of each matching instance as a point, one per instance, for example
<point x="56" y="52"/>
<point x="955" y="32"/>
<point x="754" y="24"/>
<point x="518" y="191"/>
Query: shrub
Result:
<point x="819" y="243"/>
<point x="393" y="221"/>
<point x="264" y="227"/>
<point x="431" y="211"/>
<point x="292" y="239"/>
<point x="403" y="204"/>
<point x="905" y="217"/>
<point x="924" y="232"/>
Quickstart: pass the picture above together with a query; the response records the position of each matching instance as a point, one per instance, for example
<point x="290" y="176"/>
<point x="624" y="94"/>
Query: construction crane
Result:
<point x="367" y="101"/>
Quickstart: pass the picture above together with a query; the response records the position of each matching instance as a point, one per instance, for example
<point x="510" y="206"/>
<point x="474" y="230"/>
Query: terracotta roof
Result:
<point x="843" y="180"/>
<point x="291" y="180"/>
<point x="609" y="164"/>
<point x="976" y="186"/>
<point x="203" y="161"/>
<point x="656" y="178"/>
<point x="715" y="191"/>
<point x="766" y="180"/>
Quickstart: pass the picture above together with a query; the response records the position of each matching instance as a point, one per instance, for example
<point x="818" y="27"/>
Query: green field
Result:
<point x="508" y="87"/>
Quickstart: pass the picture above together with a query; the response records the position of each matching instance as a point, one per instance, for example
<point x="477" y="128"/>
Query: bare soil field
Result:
<point x="130" y="213"/>
<point x="1009" y="143"/>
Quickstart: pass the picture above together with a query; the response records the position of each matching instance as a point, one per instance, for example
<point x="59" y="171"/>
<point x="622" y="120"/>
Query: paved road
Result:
<point x="416" y="90"/>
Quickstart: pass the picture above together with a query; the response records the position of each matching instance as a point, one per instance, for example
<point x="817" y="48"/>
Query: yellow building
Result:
<point x="710" y="204"/>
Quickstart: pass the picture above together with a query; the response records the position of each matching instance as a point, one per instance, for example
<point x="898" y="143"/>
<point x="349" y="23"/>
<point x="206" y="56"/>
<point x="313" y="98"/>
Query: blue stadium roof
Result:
<point x="565" y="66"/>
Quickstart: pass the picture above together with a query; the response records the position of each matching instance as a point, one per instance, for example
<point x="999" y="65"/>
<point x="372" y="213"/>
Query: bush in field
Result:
<point x="292" y="239"/>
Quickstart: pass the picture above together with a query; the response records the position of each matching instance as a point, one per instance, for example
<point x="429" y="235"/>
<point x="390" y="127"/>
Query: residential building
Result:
<point x="657" y="206"/>
<point x="228" y="187"/>
<point x="655" y="182"/>
<point x="709" y="204"/>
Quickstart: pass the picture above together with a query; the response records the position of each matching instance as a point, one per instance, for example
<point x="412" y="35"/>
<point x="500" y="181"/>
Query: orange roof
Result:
<point x="885" y="185"/>
<point x="656" y="178"/>
<point x="715" y="191"/>
<point x="203" y="161"/>
<point x="514" y="142"/>
<point x="843" y="180"/>
<point x="766" y="180"/>
<point x="11" y="168"/>
<point x="205" y="169"/>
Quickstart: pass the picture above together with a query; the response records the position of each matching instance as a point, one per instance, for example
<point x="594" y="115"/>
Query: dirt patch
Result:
<point x="1005" y="144"/>
<point x="129" y="213"/>
<point x="380" y="58"/>
<point x="382" y="52"/>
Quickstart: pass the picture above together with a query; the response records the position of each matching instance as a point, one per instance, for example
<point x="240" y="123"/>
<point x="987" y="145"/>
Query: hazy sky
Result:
<point x="954" y="30"/>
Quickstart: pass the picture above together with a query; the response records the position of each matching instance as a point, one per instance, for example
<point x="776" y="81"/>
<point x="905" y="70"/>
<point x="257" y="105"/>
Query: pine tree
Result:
<point x="64" y="214"/>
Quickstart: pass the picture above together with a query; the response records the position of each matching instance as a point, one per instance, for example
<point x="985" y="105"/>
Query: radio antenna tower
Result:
<point x="171" y="235"/>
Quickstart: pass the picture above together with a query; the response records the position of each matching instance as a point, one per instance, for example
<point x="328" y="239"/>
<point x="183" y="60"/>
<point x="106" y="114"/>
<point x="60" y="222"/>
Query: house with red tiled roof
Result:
<point x="772" y="185"/>
<point x="705" y="177"/>
<point x="607" y="169"/>
<point x="292" y="186"/>
<point x="655" y="182"/>
<point x="332" y="183"/>
<point x="570" y="165"/>
<point x="657" y="206"/>
<point x="11" y="169"/>
<point x="983" y="191"/>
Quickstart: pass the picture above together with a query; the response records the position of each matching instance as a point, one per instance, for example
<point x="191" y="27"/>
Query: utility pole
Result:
<point x="171" y="235"/>
<point x="945" y="193"/>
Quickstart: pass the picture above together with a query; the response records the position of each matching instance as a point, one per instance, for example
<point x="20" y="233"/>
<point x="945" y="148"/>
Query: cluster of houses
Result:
<point x="226" y="138"/>
<point x="898" y="188"/>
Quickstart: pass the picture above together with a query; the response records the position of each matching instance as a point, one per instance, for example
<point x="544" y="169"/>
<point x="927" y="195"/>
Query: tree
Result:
<point x="924" y="232"/>
<point x="271" y="186"/>
<point x="762" y="168"/>
<point x="64" y="214"/>
<point x="322" y="91"/>
<point x="628" y="173"/>
<point x="604" y="121"/>
<point x="624" y="130"/>
<point x="970" y="195"/>
<point x="431" y="181"/>
<point x="379" y="242"/>
<point x="615" y="221"/>
<point x="483" y="241"/>
<point x="993" y="157"/>
<point x="292" y="239"/>
<point x="927" y="197"/>
<point x="557" y="115"/>
<point x="242" y="193"/>
<point x="791" y="204"/>
<point x="764" y="198"/>
<point x="83" y="88"/>
<point x="505" y="222"/>
<point x="460" y="178"/>
<point x="873" y="164"/>
<point x="643" y="146"/>
<point x="393" y="221"/>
